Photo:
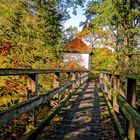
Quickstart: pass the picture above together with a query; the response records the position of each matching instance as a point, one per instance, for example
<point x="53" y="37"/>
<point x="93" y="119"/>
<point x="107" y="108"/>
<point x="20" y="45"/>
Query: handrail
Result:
<point x="123" y="74"/>
<point x="126" y="100"/>
<point x="131" y="114"/>
<point x="45" y="122"/>
<point x="70" y="80"/>
<point x="14" y="112"/>
<point x="6" y="72"/>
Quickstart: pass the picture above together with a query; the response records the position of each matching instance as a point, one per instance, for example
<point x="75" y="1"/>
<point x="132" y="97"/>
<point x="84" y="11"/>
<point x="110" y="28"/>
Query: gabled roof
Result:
<point x="77" y="45"/>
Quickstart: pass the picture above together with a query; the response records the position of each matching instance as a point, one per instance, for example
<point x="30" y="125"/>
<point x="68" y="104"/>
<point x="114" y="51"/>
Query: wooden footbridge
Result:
<point x="83" y="108"/>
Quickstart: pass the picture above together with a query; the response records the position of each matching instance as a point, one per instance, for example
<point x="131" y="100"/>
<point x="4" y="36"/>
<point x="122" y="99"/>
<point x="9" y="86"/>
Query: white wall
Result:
<point x="82" y="59"/>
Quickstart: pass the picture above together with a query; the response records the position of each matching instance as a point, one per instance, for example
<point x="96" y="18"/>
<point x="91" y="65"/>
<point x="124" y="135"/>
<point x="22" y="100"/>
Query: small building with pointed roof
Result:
<point x="77" y="45"/>
<point x="76" y="50"/>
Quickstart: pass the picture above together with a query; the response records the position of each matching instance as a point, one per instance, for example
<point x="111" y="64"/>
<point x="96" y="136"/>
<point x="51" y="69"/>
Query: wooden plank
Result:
<point x="43" y="124"/>
<point x="128" y="75"/>
<point x="130" y="113"/>
<point x="116" y="120"/>
<point x="131" y="92"/>
<point x="123" y="74"/>
<point x="6" y="72"/>
<point x="16" y="111"/>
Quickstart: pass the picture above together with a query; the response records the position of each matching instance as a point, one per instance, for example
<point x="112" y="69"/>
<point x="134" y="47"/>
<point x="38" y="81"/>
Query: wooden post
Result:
<point x="73" y="78"/>
<point x="32" y="86"/>
<point x="115" y="87"/>
<point x="87" y="77"/>
<point x="67" y="77"/>
<point x="131" y="99"/>
<point x="105" y="83"/>
<point x="120" y="91"/>
<point x="81" y="75"/>
<point x="101" y="78"/>
<point x="57" y="84"/>
<point x="109" y="88"/>
<point x="56" y="80"/>
<point x="68" y="90"/>
<point x="77" y="75"/>
<point x="79" y="80"/>
<point x="77" y="83"/>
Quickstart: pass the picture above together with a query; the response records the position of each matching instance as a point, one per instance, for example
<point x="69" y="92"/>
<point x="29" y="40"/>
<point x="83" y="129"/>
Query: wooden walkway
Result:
<point x="85" y="117"/>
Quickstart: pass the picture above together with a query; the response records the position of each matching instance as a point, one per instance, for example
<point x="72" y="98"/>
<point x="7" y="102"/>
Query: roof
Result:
<point x="77" y="45"/>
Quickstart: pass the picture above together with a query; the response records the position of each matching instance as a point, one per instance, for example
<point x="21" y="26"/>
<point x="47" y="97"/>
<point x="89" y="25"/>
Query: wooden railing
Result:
<point x="65" y="85"/>
<point x="120" y="90"/>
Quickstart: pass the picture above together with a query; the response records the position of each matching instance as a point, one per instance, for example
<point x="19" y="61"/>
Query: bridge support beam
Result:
<point x="131" y="99"/>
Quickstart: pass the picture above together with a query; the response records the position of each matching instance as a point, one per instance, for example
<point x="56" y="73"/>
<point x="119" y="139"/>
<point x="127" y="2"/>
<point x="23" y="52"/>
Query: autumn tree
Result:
<point x="121" y="18"/>
<point x="102" y="59"/>
<point x="32" y="31"/>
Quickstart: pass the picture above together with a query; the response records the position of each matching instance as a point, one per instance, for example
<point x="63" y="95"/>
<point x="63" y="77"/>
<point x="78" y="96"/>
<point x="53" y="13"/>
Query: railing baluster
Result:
<point x="105" y="85"/>
<point x="81" y="74"/>
<point x="36" y="102"/>
<point x="57" y="84"/>
<point x="79" y="77"/>
<point x="73" y="77"/>
<point x="124" y="99"/>
<point x="109" y="87"/>
<point x="32" y="86"/>
<point x="115" y="86"/>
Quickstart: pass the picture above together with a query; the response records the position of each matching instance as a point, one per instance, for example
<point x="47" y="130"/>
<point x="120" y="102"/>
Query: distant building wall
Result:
<point x="82" y="59"/>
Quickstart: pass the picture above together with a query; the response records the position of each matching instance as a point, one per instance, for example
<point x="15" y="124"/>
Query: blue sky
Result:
<point x="75" y="19"/>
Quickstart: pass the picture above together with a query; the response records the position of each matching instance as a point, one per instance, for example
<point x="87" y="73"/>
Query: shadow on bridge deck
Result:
<point x="85" y="117"/>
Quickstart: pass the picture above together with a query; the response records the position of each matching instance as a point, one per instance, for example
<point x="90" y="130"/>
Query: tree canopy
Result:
<point x="35" y="29"/>
<point x="121" y="19"/>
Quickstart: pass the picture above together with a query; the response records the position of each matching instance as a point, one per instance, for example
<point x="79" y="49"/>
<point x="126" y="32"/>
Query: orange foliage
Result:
<point x="72" y="65"/>
<point x="12" y="86"/>
<point x="5" y="48"/>
<point x="106" y="50"/>
<point x="82" y="34"/>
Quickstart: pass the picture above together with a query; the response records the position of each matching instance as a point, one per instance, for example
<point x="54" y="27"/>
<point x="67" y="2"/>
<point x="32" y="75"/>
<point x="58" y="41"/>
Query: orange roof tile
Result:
<point x="77" y="45"/>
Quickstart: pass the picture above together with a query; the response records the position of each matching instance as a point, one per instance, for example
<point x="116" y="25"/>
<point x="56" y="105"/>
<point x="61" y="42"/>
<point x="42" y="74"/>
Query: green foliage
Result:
<point x="69" y="34"/>
<point x="102" y="59"/>
<point x="121" y="18"/>
<point x="30" y="37"/>
<point x="34" y="36"/>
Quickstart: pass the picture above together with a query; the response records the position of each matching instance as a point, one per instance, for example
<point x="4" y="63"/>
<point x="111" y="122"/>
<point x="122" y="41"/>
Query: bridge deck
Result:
<point x="86" y="117"/>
